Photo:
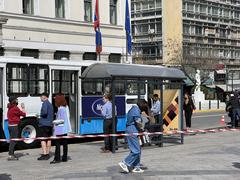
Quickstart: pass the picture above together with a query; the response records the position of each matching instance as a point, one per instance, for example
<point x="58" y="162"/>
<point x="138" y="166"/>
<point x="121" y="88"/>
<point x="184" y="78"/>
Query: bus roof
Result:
<point x="30" y="60"/>
<point x="128" y="71"/>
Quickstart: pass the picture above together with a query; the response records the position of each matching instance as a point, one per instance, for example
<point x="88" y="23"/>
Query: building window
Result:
<point x="88" y="10"/>
<point x="28" y="7"/>
<point x="60" y="8"/>
<point x="113" y="12"/>
<point x="89" y="56"/>
<point x="115" y="58"/>
<point x="2" y="51"/>
<point x="61" y="55"/>
<point x="30" y="53"/>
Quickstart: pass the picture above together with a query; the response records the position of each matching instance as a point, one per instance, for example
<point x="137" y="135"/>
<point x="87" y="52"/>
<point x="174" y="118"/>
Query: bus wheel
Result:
<point x="28" y="128"/>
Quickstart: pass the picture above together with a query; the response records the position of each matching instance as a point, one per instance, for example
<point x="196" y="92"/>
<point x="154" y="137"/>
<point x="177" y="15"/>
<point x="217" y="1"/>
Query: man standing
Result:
<point x="45" y="125"/>
<point x="108" y="123"/>
<point x="155" y="110"/>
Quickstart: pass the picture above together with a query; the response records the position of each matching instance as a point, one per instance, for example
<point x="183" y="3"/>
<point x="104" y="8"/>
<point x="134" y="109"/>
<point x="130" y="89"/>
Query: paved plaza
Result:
<point x="202" y="156"/>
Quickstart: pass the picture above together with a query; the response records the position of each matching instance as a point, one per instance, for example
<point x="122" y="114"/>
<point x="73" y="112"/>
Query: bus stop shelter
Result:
<point x="159" y="76"/>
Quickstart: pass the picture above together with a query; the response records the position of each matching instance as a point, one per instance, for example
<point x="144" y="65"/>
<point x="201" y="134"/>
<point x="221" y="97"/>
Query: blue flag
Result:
<point x="98" y="42"/>
<point x="128" y="29"/>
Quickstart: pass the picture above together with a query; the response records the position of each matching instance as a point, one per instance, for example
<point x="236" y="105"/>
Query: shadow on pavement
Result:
<point x="5" y="177"/>
<point x="236" y="165"/>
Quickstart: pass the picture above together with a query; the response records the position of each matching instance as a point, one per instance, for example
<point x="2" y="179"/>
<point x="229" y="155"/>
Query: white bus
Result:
<point x="26" y="78"/>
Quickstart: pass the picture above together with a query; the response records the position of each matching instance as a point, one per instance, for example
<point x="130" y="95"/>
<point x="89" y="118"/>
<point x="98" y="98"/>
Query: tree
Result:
<point x="189" y="57"/>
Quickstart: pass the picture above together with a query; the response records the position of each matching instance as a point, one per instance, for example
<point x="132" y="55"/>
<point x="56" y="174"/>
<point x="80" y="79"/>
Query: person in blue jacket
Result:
<point x="133" y="125"/>
<point x="45" y="125"/>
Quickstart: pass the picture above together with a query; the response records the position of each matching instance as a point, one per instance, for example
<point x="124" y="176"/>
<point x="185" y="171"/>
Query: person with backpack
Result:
<point x="134" y="125"/>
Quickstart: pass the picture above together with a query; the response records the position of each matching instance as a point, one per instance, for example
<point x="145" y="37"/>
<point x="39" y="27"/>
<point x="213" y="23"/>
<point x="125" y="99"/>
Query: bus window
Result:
<point x="61" y="81"/>
<point x="119" y="87"/>
<point x="92" y="88"/>
<point x="38" y="79"/>
<point x="17" y="80"/>
<point x="132" y="88"/>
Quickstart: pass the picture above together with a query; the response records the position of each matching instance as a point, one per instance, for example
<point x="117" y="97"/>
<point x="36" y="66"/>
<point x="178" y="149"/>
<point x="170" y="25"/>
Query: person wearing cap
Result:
<point x="46" y="125"/>
<point x="14" y="114"/>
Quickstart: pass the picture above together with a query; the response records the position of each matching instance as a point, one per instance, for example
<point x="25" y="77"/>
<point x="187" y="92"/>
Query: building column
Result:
<point x="12" y="51"/>
<point x="46" y="54"/>
<point x="104" y="57"/>
<point x="76" y="55"/>
<point x="172" y="30"/>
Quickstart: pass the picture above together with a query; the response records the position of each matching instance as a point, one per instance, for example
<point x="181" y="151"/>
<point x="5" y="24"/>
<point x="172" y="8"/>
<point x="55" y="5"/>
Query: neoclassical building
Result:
<point x="62" y="29"/>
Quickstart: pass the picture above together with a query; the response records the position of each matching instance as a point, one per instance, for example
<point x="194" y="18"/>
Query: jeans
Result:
<point x="58" y="142"/>
<point x="133" y="159"/>
<point x="236" y="112"/>
<point x="13" y="132"/>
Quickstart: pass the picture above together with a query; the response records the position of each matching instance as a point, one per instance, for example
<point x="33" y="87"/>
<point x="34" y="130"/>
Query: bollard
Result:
<point x="217" y="104"/>
<point x="209" y="104"/>
<point x="200" y="105"/>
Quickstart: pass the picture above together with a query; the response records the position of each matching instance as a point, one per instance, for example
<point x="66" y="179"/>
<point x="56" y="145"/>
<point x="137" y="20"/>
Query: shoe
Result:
<point x="44" y="157"/>
<point x="55" y="161"/>
<point x="123" y="166"/>
<point x="137" y="170"/>
<point x="105" y="151"/>
<point x="64" y="159"/>
<point x="12" y="158"/>
<point x="103" y="148"/>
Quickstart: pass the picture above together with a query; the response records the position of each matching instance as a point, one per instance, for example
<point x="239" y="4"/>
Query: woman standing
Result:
<point x="13" y="114"/>
<point x="188" y="108"/>
<point x="61" y="129"/>
<point x="132" y="161"/>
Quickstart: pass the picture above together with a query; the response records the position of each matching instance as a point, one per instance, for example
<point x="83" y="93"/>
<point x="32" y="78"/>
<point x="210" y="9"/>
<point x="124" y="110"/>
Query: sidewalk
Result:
<point x="203" y="156"/>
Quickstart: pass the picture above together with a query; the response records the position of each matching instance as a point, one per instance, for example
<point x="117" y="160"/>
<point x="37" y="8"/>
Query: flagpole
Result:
<point x="126" y="47"/>
<point x="99" y="38"/>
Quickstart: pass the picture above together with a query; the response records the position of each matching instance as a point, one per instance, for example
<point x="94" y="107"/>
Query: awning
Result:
<point x="109" y="70"/>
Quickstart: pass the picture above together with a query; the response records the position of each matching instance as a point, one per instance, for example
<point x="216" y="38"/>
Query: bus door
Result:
<point x="65" y="82"/>
<point x="1" y="104"/>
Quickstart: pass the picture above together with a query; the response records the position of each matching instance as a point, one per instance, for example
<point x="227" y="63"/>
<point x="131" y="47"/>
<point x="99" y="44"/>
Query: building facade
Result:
<point x="201" y="28"/>
<point x="62" y="29"/>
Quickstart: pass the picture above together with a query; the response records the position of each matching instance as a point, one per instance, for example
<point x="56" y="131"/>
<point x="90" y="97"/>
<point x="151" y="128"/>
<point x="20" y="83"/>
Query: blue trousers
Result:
<point x="133" y="159"/>
<point x="236" y="112"/>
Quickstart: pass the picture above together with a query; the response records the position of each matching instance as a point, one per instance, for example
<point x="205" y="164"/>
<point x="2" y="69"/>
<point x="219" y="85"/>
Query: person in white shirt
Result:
<point x="155" y="110"/>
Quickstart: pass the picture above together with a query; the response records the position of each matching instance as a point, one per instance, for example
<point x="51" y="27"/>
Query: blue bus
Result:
<point x="26" y="78"/>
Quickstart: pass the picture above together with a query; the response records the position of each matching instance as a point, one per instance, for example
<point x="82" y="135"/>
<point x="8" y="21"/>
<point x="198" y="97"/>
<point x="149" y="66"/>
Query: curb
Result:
<point x="209" y="110"/>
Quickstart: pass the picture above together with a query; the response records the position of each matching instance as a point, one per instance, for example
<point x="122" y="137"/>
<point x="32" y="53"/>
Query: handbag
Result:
<point x="58" y="121"/>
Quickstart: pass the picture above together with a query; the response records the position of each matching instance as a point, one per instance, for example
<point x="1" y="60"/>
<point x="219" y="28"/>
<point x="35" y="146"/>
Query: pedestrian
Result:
<point x="45" y="126"/>
<point x="155" y="110"/>
<point x="106" y="112"/>
<point x="133" y="125"/>
<point x="235" y="105"/>
<point x="188" y="107"/>
<point x="61" y="128"/>
<point x="229" y="109"/>
<point x="14" y="114"/>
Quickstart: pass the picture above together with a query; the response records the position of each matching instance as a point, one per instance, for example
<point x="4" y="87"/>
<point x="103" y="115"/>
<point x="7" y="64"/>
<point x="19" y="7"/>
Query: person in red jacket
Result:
<point x="13" y="114"/>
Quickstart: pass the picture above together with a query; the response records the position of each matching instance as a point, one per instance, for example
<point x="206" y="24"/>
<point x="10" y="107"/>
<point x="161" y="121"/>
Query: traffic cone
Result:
<point x="222" y="121"/>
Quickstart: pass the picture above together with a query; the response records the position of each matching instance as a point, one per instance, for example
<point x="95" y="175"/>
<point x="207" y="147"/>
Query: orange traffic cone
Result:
<point x="222" y="121"/>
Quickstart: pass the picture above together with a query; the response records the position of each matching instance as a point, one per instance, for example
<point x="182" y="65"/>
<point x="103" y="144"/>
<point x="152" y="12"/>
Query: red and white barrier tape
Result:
<point x="187" y="132"/>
